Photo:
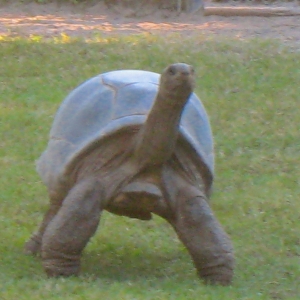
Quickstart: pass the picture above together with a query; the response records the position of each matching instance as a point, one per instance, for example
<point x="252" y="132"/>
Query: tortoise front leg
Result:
<point x="33" y="245"/>
<point x="199" y="230"/>
<point x="71" y="228"/>
<point x="206" y="241"/>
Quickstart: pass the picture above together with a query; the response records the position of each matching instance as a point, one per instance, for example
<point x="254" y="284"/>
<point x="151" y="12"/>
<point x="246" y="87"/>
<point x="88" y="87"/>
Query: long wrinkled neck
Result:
<point x="156" y="139"/>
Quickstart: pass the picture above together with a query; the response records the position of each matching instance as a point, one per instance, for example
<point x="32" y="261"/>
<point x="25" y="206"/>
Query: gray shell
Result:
<point x="103" y="105"/>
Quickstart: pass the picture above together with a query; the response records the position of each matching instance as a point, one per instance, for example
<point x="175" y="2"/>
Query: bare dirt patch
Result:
<point x="53" y="19"/>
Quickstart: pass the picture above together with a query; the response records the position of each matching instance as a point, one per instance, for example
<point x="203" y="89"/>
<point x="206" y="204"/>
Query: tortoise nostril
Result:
<point x="185" y="73"/>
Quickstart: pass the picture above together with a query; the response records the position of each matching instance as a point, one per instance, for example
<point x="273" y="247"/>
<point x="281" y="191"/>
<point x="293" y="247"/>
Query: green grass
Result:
<point x="251" y="91"/>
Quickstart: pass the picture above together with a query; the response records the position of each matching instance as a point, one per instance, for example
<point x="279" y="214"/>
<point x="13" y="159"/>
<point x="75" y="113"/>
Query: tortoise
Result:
<point x="134" y="143"/>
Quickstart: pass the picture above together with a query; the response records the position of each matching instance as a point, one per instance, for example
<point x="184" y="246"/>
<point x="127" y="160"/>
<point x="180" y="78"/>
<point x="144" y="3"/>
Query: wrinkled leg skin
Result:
<point x="33" y="245"/>
<point x="70" y="230"/>
<point x="201" y="233"/>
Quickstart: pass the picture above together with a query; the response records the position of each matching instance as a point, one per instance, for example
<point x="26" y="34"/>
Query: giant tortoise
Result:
<point x="132" y="143"/>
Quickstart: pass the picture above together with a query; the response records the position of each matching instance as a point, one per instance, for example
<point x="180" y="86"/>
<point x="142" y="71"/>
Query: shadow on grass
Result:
<point x="134" y="263"/>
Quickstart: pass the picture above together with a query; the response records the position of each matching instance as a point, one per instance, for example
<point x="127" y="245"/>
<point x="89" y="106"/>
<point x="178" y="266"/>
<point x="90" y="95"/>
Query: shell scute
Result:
<point x="134" y="99"/>
<point x="121" y="78"/>
<point x="88" y="108"/>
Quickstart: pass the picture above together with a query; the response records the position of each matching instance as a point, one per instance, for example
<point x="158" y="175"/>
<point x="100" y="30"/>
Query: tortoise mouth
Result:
<point x="179" y="88"/>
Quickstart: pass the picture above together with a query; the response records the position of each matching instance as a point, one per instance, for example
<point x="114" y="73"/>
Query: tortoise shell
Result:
<point x="105" y="104"/>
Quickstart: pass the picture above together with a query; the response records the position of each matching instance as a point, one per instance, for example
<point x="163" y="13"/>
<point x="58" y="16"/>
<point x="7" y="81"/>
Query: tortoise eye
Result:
<point x="172" y="70"/>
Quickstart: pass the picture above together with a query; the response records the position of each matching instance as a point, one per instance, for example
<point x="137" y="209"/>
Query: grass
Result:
<point x="251" y="92"/>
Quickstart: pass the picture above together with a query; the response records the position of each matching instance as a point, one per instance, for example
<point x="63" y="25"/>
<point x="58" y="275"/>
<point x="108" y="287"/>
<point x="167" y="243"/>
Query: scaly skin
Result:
<point x="157" y="138"/>
<point x="71" y="228"/>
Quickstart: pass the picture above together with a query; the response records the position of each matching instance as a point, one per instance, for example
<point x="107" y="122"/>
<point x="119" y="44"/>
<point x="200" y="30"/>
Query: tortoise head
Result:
<point x="177" y="82"/>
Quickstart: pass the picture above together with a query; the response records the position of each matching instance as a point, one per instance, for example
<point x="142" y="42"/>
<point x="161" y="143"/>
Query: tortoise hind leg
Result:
<point x="71" y="228"/>
<point x="199" y="230"/>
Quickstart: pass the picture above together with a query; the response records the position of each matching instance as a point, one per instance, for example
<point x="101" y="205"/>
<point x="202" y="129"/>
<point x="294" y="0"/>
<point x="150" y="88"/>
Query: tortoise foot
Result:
<point x="218" y="274"/>
<point x="224" y="279"/>
<point x="61" y="267"/>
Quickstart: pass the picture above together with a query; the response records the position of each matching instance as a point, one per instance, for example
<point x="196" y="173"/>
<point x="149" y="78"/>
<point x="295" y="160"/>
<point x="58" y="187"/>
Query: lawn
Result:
<point x="251" y="92"/>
